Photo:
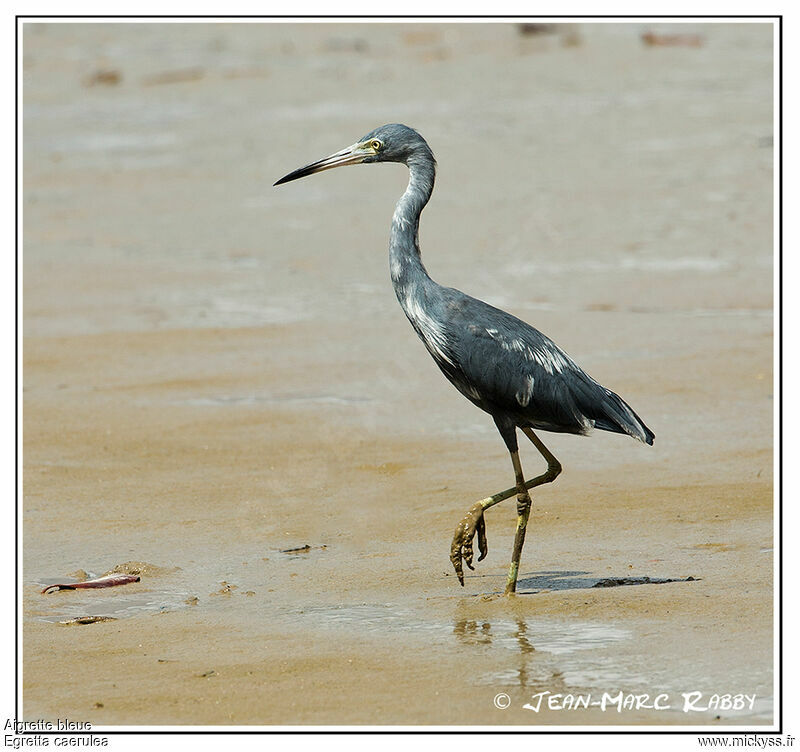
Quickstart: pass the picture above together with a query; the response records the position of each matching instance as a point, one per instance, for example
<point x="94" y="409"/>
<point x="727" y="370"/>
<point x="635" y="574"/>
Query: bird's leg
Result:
<point x="473" y="523"/>
<point x="553" y="465"/>
<point x="524" y="502"/>
<point x="523" y="513"/>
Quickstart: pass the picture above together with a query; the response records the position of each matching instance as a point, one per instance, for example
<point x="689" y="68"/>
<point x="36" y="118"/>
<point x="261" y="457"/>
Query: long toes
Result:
<point x="467" y="552"/>
<point x="483" y="545"/>
<point x="461" y="549"/>
<point x="455" y="554"/>
<point x="456" y="560"/>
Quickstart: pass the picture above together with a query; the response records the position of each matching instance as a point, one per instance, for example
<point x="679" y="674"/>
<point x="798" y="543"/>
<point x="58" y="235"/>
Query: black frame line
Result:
<point x="702" y="731"/>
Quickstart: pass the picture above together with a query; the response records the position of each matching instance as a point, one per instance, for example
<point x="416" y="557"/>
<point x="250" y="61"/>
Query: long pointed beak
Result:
<point x="354" y="154"/>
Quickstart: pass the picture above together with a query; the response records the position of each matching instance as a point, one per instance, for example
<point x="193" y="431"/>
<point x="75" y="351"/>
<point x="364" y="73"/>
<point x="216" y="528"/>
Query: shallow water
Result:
<point x="534" y="655"/>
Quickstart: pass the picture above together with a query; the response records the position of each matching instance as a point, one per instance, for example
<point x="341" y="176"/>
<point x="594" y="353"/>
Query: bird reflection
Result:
<point x="473" y="632"/>
<point x="522" y="638"/>
<point x="469" y="632"/>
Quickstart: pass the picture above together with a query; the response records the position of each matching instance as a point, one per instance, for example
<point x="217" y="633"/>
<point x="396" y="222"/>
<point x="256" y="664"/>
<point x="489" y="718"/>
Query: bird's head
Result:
<point x="388" y="143"/>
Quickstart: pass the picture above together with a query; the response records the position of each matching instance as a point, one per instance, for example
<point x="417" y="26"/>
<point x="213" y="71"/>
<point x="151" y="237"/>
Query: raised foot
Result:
<point x="461" y="548"/>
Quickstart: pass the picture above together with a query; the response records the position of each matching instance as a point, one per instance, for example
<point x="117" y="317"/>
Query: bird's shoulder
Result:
<point x="506" y="366"/>
<point x="509" y="365"/>
<point x="478" y="328"/>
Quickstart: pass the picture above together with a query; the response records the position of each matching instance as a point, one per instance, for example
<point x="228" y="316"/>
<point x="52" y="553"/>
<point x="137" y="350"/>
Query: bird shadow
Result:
<point x="578" y="580"/>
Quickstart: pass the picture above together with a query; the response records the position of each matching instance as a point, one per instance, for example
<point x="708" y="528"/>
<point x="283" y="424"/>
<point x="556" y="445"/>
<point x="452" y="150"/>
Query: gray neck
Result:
<point x="405" y="264"/>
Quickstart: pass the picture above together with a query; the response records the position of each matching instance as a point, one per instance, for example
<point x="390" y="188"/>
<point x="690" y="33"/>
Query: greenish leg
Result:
<point x="524" y="503"/>
<point x="523" y="513"/>
<point x="473" y="523"/>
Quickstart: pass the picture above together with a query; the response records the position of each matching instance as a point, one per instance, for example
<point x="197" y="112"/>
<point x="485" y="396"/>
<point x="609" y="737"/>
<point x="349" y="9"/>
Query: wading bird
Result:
<point x="498" y="362"/>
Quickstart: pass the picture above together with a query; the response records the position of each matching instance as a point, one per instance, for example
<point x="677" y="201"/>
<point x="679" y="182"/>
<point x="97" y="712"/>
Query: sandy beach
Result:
<point x="222" y="395"/>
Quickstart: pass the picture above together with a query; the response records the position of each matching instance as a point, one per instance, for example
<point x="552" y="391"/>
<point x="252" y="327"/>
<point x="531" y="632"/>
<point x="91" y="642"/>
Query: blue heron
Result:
<point x="498" y="362"/>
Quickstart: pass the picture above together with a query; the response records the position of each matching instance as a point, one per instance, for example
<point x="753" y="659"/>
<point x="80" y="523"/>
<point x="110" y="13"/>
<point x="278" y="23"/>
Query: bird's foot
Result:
<point x="461" y="548"/>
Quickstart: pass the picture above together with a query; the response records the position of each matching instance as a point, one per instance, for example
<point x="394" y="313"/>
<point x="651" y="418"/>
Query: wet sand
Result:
<point x="217" y="371"/>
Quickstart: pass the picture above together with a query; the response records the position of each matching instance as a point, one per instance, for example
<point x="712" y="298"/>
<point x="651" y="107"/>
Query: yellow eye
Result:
<point x="376" y="145"/>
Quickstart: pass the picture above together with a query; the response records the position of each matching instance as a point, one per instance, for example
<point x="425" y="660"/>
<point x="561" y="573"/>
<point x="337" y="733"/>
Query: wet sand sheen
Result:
<point x="381" y="587"/>
<point x="216" y="375"/>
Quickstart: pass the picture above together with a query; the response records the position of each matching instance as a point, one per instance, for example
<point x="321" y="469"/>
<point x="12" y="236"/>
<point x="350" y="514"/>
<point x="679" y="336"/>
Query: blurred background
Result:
<point x="609" y="183"/>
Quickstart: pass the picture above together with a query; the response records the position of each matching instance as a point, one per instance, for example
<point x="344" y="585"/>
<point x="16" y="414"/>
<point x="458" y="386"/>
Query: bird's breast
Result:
<point x="431" y="331"/>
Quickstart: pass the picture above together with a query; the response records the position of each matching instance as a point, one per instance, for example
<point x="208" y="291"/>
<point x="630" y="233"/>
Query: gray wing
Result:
<point x="505" y="366"/>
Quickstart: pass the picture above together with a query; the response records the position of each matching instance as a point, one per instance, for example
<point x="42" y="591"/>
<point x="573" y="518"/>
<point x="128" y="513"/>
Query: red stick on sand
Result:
<point x="109" y="580"/>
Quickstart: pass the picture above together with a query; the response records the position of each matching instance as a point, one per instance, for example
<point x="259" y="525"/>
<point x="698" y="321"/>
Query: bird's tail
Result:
<point x="617" y="416"/>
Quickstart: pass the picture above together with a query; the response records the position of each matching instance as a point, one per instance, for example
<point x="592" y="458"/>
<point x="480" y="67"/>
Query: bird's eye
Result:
<point x="377" y="145"/>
